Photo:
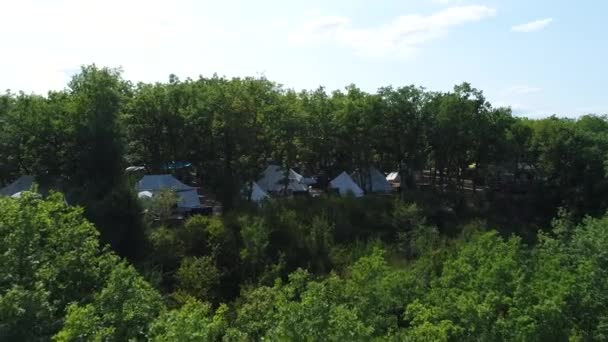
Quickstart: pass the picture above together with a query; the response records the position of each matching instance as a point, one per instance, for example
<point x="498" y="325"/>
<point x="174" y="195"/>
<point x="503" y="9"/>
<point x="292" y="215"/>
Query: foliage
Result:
<point x="256" y="240"/>
<point x="161" y="206"/>
<point x="122" y="310"/>
<point x="165" y="247"/>
<point x="50" y="257"/>
<point x="198" y="277"/>
<point x="194" y="321"/>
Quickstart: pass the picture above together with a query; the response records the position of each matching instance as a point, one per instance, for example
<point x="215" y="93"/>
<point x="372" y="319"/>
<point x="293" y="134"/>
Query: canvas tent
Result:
<point x="21" y="193"/>
<point x="135" y="169"/>
<point x="188" y="196"/>
<point x="393" y="177"/>
<point x="301" y="179"/>
<point x="375" y="183"/>
<point x="257" y="193"/>
<point x="23" y="183"/>
<point x="273" y="180"/>
<point x="145" y="194"/>
<point x="345" y="185"/>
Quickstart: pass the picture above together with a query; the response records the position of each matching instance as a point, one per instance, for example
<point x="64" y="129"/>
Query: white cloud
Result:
<point x="44" y="42"/>
<point x="532" y="26"/>
<point x="400" y="37"/>
<point x="523" y="89"/>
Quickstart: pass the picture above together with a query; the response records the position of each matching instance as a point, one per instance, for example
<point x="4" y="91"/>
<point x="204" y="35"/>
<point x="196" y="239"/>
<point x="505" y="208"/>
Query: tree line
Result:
<point x="230" y="128"/>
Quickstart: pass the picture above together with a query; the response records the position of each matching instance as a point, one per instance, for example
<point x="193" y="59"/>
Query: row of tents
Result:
<point x="147" y="187"/>
<point x="274" y="180"/>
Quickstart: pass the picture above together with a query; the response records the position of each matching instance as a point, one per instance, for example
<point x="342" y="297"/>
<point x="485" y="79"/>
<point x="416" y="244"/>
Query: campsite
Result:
<point x="234" y="209"/>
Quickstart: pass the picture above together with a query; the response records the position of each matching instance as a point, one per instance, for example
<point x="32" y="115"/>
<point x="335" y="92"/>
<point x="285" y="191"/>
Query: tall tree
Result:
<point x="404" y="130"/>
<point x="358" y="121"/>
<point x="95" y="163"/>
<point x="318" y="152"/>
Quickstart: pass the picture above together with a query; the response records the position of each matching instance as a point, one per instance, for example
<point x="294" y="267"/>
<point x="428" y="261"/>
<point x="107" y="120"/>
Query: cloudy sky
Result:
<point x="540" y="57"/>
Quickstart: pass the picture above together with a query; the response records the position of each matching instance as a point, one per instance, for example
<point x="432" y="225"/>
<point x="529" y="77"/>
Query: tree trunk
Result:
<point x="403" y="179"/>
<point x="228" y="176"/>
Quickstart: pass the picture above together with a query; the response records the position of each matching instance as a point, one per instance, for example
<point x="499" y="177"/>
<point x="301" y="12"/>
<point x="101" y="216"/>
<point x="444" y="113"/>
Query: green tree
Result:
<point x="256" y="239"/>
<point x="358" y="118"/>
<point x="318" y="150"/>
<point x="317" y="316"/>
<point x="256" y="310"/>
<point x="95" y="168"/>
<point x="161" y="207"/>
<point x="378" y="292"/>
<point x="198" y="277"/>
<point x="457" y="132"/>
<point x="36" y="136"/>
<point x="97" y="164"/>
<point x="50" y="257"/>
<point x="121" y="311"/>
<point x="155" y="124"/>
<point x="473" y="297"/>
<point x="194" y="321"/>
<point x="404" y="127"/>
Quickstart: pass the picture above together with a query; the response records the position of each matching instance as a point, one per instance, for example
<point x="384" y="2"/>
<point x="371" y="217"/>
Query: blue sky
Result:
<point x="539" y="57"/>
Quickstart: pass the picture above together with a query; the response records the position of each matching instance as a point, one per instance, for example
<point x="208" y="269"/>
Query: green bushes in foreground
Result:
<point x="58" y="282"/>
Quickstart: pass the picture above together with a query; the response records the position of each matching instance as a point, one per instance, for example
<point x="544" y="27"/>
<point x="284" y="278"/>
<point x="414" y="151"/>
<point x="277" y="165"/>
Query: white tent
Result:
<point x="393" y="177"/>
<point x="145" y="194"/>
<point x="346" y="185"/>
<point x="257" y="193"/>
<point x="161" y="182"/>
<point x="300" y="178"/>
<point x="23" y="183"/>
<point x="378" y="181"/>
<point x="273" y="180"/>
<point x="188" y="196"/>
<point x="135" y="168"/>
<point x="21" y="193"/>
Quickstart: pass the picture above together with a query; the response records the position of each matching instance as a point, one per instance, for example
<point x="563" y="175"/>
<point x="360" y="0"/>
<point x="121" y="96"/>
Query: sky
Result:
<point x="540" y="57"/>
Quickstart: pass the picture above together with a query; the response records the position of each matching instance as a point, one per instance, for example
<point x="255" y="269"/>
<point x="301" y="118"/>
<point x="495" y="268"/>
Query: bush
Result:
<point x="194" y="321"/>
<point x="198" y="277"/>
<point x="121" y="311"/>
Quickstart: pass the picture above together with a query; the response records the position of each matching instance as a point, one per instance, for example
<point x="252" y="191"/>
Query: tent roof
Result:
<point x="160" y="182"/>
<point x="393" y="176"/>
<point x="273" y="177"/>
<point x="378" y="181"/>
<point x="257" y="194"/>
<point x="188" y="199"/>
<point x="135" y="168"/>
<point x="300" y="178"/>
<point x="23" y="183"/>
<point x="145" y="194"/>
<point x="345" y="184"/>
<point x="187" y="195"/>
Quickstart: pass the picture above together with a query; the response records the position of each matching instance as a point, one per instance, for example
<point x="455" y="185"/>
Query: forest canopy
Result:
<point x="497" y="231"/>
